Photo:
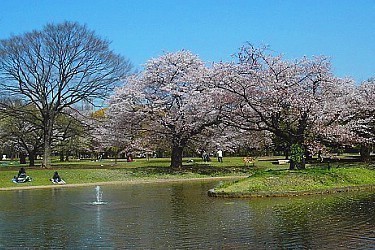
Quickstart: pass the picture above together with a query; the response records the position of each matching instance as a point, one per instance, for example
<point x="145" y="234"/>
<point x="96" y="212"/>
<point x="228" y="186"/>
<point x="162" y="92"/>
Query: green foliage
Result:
<point x="296" y="153"/>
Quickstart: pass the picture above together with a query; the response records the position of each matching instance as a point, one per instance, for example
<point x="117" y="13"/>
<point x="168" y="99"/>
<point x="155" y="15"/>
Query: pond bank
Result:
<point x="273" y="183"/>
<point x="213" y="193"/>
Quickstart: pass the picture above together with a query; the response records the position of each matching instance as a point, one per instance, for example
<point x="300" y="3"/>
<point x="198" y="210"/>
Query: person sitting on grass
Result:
<point x="21" y="176"/>
<point x="56" y="179"/>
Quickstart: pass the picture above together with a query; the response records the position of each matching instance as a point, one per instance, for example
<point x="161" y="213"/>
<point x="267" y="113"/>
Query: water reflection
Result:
<point x="315" y="222"/>
<point x="181" y="215"/>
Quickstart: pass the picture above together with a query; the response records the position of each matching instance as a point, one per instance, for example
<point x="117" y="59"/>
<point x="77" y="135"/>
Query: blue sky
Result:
<point x="343" y="30"/>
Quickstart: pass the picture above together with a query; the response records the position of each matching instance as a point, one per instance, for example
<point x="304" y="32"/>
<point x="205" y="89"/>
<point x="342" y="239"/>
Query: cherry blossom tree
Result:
<point x="170" y="101"/>
<point x="355" y="124"/>
<point x="233" y="140"/>
<point x="360" y="117"/>
<point x="366" y="111"/>
<point x="287" y="98"/>
<point x="118" y="136"/>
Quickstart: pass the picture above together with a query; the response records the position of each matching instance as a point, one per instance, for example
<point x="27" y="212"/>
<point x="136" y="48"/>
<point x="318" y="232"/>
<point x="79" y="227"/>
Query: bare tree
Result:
<point x="57" y="67"/>
<point x="24" y="133"/>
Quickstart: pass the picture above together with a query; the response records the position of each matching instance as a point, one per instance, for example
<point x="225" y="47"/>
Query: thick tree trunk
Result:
<point x="22" y="158"/>
<point x="365" y="153"/>
<point x="292" y="165"/>
<point x="176" y="158"/>
<point x="48" y="123"/>
<point x="31" y="159"/>
<point x="178" y="145"/>
<point x="47" y="156"/>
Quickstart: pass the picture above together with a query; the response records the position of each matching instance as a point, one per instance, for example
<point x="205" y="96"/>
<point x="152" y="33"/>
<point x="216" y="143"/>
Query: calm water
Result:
<point x="182" y="216"/>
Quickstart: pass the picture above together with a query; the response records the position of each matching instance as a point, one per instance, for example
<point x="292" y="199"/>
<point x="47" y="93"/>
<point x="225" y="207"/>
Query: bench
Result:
<point x="283" y="162"/>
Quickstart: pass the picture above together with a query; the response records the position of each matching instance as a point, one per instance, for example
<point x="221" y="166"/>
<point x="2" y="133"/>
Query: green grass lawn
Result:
<point x="312" y="180"/>
<point x="87" y="171"/>
<point x="265" y="175"/>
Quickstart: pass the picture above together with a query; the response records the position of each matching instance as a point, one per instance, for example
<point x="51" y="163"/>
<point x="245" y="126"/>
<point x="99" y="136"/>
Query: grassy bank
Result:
<point x="85" y="172"/>
<point x="309" y="181"/>
<point x="266" y="175"/>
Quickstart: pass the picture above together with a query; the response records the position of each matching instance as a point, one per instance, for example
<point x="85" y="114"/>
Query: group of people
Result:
<point x="22" y="177"/>
<point x="206" y="156"/>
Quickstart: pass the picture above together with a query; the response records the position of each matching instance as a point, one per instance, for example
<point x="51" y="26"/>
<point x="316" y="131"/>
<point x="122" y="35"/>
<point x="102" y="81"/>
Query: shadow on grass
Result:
<point x="195" y="169"/>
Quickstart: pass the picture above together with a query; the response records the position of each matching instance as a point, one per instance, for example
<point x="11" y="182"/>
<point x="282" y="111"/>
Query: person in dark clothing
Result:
<point x="21" y="173"/>
<point x="57" y="179"/>
<point x="21" y="176"/>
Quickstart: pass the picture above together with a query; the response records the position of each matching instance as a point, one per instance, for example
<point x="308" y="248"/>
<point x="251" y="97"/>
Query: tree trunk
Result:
<point x="176" y="157"/>
<point x="302" y="165"/>
<point x="178" y="145"/>
<point x="292" y="165"/>
<point x="286" y="153"/>
<point x="116" y="155"/>
<point x="31" y="159"/>
<point x="47" y="155"/>
<point x="62" y="158"/>
<point x="22" y="158"/>
<point x="47" y="138"/>
<point x="365" y="152"/>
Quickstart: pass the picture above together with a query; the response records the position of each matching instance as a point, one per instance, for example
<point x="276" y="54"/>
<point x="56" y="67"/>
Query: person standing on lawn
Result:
<point x="220" y="155"/>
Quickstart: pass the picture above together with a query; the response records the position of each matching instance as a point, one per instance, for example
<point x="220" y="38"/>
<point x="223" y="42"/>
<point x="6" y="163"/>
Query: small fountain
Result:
<point x="99" y="197"/>
<point x="98" y="204"/>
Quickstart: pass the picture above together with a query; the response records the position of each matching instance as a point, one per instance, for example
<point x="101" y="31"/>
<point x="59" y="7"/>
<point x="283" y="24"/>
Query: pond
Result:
<point x="181" y="215"/>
